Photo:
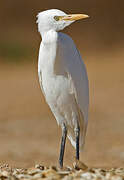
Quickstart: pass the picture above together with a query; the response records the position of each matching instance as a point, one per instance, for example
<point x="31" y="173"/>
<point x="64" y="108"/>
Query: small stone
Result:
<point x="23" y="176"/>
<point x="50" y="173"/>
<point x="33" y="171"/>
<point x="39" y="166"/>
<point x="37" y="176"/>
<point x="109" y="175"/>
<point x="115" y="177"/>
<point x="63" y="172"/>
<point x="5" y="173"/>
<point x="88" y="175"/>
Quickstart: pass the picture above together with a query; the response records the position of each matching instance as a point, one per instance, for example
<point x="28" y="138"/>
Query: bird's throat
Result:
<point x="48" y="52"/>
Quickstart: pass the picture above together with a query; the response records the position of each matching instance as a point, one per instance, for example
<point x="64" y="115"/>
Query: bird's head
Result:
<point x="56" y="20"/>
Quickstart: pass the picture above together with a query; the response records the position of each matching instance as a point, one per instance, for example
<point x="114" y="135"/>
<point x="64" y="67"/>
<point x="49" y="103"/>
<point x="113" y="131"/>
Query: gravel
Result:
<point x="40" y="172"/>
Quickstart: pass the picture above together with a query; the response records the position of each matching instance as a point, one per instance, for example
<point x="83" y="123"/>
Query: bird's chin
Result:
<point x="67" y="23"/>
<point x="64" y="25"/>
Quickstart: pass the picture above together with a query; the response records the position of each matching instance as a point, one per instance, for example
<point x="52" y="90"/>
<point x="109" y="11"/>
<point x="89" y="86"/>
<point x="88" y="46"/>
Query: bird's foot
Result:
<point x="64" y="168"/>
<point x="79" y="165"/>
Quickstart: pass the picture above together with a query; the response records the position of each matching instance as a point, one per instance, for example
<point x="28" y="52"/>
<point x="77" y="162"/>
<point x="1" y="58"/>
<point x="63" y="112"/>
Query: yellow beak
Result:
<point x="74" y="17"/>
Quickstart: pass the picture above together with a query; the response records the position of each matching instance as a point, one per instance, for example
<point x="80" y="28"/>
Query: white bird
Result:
<point x="63" y="77"/>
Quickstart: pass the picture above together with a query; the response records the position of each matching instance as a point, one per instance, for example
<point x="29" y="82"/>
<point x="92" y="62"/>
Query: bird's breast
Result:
<point x="55" y="88"/>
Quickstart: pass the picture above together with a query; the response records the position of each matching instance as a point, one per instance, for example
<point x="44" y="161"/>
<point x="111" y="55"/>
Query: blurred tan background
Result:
<point x="28" y="131"/>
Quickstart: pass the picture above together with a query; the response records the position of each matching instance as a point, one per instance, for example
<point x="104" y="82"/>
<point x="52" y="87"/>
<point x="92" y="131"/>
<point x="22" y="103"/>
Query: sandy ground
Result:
<point x="29" y="133"/>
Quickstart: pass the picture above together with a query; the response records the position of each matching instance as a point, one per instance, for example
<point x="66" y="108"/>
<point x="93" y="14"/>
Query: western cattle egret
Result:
<point x="63" y="77"/>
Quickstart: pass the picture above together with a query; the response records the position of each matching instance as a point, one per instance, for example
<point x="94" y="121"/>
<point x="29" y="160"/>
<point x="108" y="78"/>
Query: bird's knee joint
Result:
<point x="77" y="130"/>
<point x="64" y="128"/>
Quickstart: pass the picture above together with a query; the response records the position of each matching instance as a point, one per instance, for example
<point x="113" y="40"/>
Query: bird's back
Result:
<point x="70" y="59"/>
<point x="74" y="65"/>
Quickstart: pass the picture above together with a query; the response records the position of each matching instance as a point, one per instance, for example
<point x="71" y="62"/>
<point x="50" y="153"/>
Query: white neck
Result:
<point x="49" y="37"/>
<point x="47" y="53"/>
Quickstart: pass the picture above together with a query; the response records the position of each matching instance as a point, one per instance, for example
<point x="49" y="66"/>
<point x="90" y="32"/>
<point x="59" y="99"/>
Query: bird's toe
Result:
<point x="79" y="165"/>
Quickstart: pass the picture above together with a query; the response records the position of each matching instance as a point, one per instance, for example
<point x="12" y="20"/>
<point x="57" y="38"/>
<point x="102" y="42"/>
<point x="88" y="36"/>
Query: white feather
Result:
<point x="63" y="79"/>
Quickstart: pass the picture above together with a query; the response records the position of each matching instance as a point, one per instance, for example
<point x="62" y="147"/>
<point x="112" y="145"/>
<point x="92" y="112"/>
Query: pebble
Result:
<point x="40" y="172"/>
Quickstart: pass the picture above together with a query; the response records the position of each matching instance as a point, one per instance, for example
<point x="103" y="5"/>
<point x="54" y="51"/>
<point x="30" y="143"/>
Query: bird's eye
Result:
<point x="56" y="18"/>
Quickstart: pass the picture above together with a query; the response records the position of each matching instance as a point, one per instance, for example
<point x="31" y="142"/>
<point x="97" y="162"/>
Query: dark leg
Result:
<point x="77" y="135"/>
<point x="63" y="140"/>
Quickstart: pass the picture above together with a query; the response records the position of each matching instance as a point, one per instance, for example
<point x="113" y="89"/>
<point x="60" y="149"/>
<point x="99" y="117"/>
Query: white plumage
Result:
<point x="62" y="73"/>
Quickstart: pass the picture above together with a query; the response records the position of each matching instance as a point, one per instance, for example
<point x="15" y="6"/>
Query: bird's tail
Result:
<point x="83" y="127"/>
